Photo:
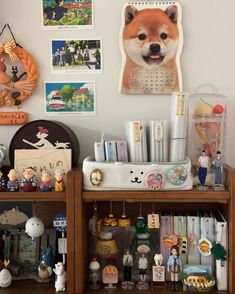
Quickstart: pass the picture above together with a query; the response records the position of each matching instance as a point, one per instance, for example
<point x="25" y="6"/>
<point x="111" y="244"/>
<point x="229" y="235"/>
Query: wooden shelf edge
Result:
<point x="157" y="195"/>
<point x="32" y="196"/>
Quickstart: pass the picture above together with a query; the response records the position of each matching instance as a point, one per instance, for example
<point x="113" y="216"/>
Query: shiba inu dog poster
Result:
<point x="151" y="42"/>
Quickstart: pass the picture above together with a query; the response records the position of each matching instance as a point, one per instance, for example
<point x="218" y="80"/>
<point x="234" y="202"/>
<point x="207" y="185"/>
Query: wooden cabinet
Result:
<point x="49" y="201"/>
<point x="175" y="200"/>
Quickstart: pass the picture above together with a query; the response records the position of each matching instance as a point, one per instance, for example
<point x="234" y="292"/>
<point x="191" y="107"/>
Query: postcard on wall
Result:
<point x="151" y="41"/>
<point x="76" y="56"/>
<point x="70" y="98"/>
<point x="67" y="14"/>
<point x="40" y="159"/>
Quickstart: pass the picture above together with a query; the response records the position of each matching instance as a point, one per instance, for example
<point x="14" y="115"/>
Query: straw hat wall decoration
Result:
<point x="19" y="86"/>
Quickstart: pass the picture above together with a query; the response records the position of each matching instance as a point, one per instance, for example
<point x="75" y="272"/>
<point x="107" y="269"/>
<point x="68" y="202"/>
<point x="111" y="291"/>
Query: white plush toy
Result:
<point x="61" y="277"/>
<point x="5" y="278"/>
<point x="158" y="258"/>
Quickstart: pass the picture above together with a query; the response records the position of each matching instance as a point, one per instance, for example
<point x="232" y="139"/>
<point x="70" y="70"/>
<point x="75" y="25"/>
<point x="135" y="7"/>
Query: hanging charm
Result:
<point x="124" y="220"/>
<point x="153" y="220"/>
<point x="95" y="223"/>
<point x="110" y="220"/>
<point x="34" y="226"/>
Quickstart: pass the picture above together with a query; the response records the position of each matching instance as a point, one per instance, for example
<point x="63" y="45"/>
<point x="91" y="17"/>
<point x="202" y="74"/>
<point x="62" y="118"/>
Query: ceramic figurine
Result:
<point x="59" y="179"/>
<point x="13" y="182"/>
<point x="142" y="265"/>
<point x="158" y="269"/>
<point x="217" y="165"/>
<point x="45" y="185"/>
<point x="94" y="267"/>
<point x="29" y="181"/>
<point x="203" y="163"/>
<point x="2" y="182"/>
<point x="5" y="278"/>
<point x="127" y="263"/>
<point x="106" y="246"/>
<point x="44" y="271"/>
<point x="174" y="266"/>
<point x="60" y="277"/>
<point x="110" y="276"/>
<point x="34" y="227"/>
<point x="47" y="257"/>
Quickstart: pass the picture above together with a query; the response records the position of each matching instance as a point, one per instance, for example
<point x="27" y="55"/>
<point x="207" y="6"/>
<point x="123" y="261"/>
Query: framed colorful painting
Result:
<point x="67" y="14"/>
<point x="68" y="98"/>
<point x="76" y="56"/>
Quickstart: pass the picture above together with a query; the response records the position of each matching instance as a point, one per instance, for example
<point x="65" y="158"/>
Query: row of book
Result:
<point x="198" y="236"/>
<point x="158" y="141"/>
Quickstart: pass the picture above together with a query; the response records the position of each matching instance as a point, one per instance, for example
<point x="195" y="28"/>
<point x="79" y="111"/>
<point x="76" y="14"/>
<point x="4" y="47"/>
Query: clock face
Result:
<point x="44" y="134"/>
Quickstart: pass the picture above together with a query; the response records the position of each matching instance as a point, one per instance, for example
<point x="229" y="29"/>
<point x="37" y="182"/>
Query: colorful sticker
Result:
<point x="204" y="247"/>
<point x="169" y="240"/>
<point x="96" y="177"/>
<point x="177" y="175"/>
<point x="155" y="180"/>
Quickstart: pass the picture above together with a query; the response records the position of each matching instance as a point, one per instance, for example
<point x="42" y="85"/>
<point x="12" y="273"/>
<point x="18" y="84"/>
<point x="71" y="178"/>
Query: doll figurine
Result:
<point x="59" y="180"/>
<point x="203" y="163"/>
<point x="174" y="266"/>
<point x="60" y="277"/>
<point x="94" y="268"/>
<point x="218" y="167"/>
<point x="127" y="263"/>
<point x="2" y="182"/>
<point x="45" y="185"/>
<point x="13" y="182"/>
<point x="29" y="181"/>
<point x="142" y="265"/>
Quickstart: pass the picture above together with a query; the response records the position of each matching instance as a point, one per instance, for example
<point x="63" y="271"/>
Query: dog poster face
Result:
<point x="151" y="42"/>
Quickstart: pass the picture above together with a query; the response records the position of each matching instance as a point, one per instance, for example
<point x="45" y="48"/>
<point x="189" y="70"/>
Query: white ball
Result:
<point x="34" y="227"/>
<point x="5" y="278"/>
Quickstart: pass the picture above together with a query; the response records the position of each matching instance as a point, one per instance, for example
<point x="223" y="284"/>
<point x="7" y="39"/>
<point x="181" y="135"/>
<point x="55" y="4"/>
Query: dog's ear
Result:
<point x="130" y="13"/>
<point x="172" y="13"/>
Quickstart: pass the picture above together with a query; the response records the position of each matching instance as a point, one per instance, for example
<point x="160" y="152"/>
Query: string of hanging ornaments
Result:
<point x="17" y="87"/>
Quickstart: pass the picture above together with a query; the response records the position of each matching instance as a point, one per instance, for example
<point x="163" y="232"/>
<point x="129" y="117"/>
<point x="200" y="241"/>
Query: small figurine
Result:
<point x="110" y="276"/>
<point x="218" y="167"/>
<point x="143" y="265"/>
<point x="44" y="271"/>
<point x="2" y="182"/>
<point x="5" y="278"/>
<point x="45" y="185"/>
<point x="158" y="269"/>
<point x="59" y="179"/>
<point x="94" y="267"/>
<point x="29" y="182"/>
<point x="13" y="182"/>
<point x="5" y="275"/>
<point x="128" y="263"/>
<point x="203" y="163"/>
<point x="174" y="266"/>
<point x="61" y="277"/>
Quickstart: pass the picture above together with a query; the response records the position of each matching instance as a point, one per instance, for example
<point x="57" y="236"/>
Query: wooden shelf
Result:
<point x="190" y="195"/>
<point x="119" y="290"/>
<point x="211" y="199"/>
<point x="33" y="196"/>
<point x="29" y="286"/>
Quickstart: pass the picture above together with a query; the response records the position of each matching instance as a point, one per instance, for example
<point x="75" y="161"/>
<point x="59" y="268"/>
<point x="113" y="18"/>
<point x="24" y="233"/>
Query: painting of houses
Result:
<point x="77" y="98"/>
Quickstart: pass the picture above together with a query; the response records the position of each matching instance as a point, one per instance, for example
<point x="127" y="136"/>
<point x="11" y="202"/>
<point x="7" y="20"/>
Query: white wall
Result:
<point x="208" y="56"/>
